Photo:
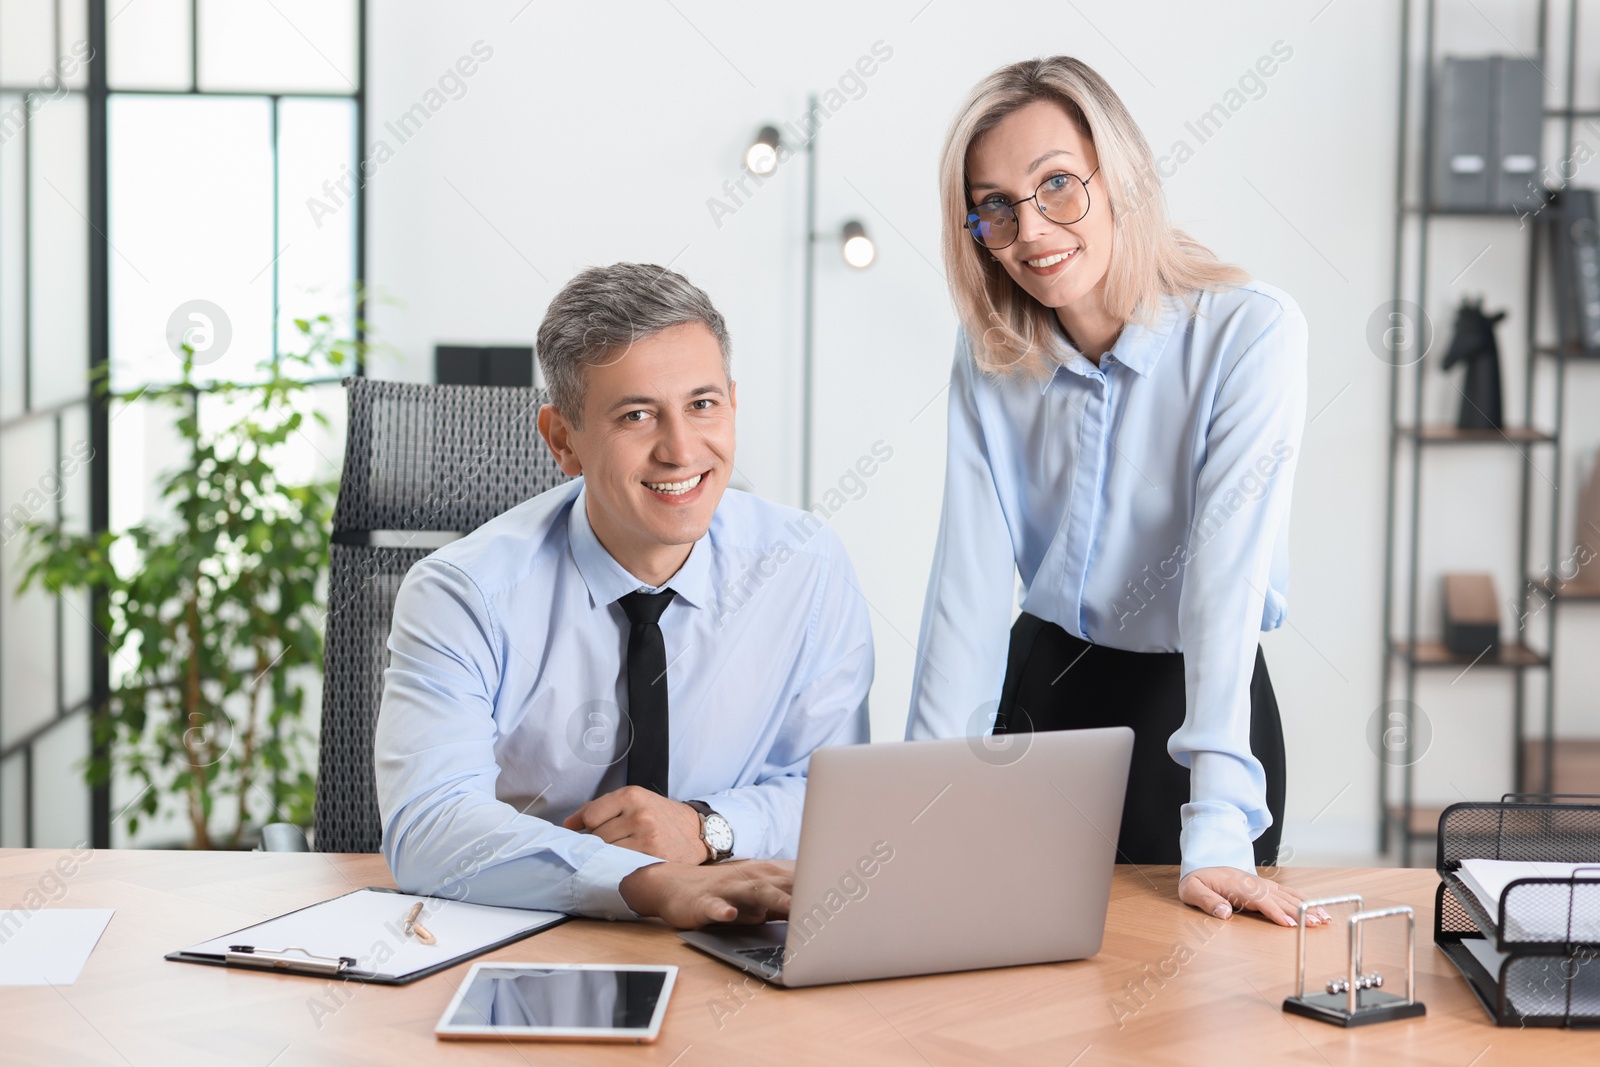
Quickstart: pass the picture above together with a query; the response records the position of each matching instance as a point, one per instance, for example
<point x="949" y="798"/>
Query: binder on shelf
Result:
<point x="1488" y="130"/>
<point x="1462" y="156"/>
<point x="376" y="935"/>
<point x="1575" y="257"/>
<point x="1523" y="928"/>
<point x="1518" y="135"/>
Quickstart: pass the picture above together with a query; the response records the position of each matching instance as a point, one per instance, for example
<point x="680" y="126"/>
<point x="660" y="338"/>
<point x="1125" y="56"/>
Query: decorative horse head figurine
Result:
<point x="1474" y="344"/>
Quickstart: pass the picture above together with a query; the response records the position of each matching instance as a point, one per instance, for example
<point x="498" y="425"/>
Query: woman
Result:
<point x="1124" y="415"/>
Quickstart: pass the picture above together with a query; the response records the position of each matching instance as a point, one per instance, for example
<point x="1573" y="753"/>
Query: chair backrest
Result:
<point x="417" y="458"/>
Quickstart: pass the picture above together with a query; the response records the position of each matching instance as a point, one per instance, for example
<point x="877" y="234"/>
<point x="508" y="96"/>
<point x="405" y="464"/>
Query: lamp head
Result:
<point x="761" y="158"/>
<point x="859" y="251"/>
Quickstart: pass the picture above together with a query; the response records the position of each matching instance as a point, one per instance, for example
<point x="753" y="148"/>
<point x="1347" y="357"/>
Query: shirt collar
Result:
<point x="608" y="580"/>
<point x="1139" y="347"/>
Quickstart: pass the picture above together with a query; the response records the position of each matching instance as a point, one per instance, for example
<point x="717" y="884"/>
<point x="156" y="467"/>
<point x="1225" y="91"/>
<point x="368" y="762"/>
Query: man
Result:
<point x="525" y="753"/>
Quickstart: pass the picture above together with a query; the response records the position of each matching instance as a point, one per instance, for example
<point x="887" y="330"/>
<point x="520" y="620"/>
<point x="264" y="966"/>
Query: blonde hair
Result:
<point x="1010" y="331"/>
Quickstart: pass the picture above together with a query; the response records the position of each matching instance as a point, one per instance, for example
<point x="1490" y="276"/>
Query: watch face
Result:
<point x="719" y="835"/>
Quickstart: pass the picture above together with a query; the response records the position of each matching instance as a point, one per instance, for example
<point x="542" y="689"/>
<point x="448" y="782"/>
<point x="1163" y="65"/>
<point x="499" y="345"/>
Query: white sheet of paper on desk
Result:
<point x="1537" y="914"/>
<point x="50" y="946"/>
<point x="369" y="925"/>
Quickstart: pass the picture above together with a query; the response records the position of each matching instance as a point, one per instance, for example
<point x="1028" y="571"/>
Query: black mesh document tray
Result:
<point x="1534" y="961"/>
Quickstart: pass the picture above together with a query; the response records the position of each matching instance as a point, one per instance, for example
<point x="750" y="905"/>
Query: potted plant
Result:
<point x="213" y="613"/>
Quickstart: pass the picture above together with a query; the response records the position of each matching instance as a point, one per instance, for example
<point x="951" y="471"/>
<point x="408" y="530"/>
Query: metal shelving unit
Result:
<point x="1404" y="654"/>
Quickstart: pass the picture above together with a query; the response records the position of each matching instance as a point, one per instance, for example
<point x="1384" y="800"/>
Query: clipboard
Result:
<point x="363" y="936"/>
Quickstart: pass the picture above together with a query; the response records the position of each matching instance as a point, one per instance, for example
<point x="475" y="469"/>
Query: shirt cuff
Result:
<point x="596" y="885"/>
<point x="1214" y="838"/>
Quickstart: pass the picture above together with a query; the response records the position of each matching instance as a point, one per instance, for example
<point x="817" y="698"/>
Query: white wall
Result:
<point x="599" y="132"/>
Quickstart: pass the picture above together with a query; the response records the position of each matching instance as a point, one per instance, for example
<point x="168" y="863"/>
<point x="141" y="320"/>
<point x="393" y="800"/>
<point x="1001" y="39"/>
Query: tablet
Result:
<point x="560" y="1001"/>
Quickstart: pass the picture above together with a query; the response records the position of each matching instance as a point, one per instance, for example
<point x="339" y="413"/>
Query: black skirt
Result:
<point x="1055" y="681"/>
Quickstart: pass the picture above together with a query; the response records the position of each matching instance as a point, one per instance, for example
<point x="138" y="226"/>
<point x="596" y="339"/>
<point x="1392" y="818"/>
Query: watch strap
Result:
<point x="705" y="810"/>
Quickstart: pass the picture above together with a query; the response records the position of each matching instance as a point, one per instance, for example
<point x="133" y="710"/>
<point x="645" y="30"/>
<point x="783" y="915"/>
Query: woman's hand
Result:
<point x="1221" y="891"/>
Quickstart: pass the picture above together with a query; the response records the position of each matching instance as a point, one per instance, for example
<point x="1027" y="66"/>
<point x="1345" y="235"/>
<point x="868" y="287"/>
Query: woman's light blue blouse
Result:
<point x="1145" y="504"/>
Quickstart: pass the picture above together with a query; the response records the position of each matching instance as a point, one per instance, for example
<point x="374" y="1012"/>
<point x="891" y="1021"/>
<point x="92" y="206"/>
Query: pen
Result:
<point x="416" y="929"/>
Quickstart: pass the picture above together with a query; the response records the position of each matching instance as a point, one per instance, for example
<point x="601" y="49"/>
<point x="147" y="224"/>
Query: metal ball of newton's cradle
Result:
<point x="1366" y="981"/>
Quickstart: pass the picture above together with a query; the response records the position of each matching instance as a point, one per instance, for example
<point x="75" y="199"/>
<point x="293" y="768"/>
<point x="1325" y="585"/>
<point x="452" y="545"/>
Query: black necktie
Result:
<point x="647" y="689"/>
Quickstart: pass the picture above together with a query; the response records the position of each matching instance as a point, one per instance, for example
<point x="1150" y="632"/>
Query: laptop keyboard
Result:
<point x="769" y="957"/>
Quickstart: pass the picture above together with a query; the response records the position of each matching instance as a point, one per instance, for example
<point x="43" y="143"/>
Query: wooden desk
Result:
<point x="1211" y="992"/>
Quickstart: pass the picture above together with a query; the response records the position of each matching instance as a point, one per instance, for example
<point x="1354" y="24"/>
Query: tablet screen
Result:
<point x="559" y="1001"/>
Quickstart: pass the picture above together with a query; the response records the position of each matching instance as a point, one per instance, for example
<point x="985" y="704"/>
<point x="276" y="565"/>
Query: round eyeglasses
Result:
<point x="1062" y="199"/>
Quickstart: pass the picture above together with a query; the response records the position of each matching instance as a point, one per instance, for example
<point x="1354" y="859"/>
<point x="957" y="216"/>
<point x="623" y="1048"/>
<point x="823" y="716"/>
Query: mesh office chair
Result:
<point x="417" y="458"/>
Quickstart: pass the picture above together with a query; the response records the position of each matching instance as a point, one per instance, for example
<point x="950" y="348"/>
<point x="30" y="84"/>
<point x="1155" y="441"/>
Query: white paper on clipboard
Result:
<point x="368" y="925"/>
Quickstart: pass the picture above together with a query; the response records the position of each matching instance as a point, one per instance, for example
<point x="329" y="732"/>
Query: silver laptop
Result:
<point x="924" y="856"/>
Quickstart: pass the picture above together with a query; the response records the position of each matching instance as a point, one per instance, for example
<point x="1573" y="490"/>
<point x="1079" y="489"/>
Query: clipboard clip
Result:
<point x="286" y="960"/>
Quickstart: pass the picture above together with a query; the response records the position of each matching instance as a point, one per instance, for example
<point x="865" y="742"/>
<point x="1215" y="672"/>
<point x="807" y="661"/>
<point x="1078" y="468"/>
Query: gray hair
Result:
<point x="603" y="311"/>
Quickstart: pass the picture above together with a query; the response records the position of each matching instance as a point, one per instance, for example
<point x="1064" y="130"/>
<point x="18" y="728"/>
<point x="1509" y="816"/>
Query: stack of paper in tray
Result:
<point x="1557" y="912"/>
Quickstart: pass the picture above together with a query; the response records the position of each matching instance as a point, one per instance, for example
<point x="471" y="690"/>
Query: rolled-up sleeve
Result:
<point x="966" y="615"/>
<point x="1241" y="506"/>
<point x="444" y="831"/>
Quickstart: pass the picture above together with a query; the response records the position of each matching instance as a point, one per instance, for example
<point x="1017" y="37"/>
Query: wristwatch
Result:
<point x="714" y="831"/>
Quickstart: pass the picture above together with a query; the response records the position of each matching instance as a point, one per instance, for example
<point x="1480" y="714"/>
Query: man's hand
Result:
<point x="645" y="821"/>
<point x="1221" y="891"/>
<point x="746" y="891"/>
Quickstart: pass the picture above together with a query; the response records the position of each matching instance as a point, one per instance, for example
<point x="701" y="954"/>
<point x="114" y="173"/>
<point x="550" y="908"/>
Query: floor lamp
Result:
<point x="762" y="159"/>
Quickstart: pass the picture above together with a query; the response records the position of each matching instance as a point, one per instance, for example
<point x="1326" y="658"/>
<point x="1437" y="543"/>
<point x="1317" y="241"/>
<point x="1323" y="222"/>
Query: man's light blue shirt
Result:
<point x="1144" y="503"/>
<point x="507" y="681"/>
